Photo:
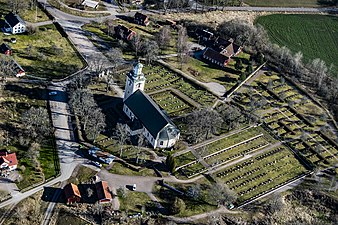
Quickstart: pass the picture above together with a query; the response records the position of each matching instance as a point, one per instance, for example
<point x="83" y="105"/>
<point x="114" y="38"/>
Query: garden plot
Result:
<point x="159" y="78"/>
<point x="173" y="104"/>
<point x="262" y="173"/>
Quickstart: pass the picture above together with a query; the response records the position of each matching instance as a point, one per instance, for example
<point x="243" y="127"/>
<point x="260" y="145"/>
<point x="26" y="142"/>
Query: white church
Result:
<point x="145" y="115"/>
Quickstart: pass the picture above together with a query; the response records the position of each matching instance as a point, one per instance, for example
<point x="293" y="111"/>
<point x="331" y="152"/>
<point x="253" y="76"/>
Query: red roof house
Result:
<point x="141" y="19"/>
<point x="8" y="160"/>
<point x="123" y="32"/>
<point x="227" y="47"/>
<point x="5" y="49"/>
<point x="72" y="193"/>
<point x="103" y="192"/>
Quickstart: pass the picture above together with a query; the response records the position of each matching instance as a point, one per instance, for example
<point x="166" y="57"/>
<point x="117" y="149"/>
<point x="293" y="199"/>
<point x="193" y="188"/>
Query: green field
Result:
<point x="285" y="3"/>
<point x="315" y="36"/>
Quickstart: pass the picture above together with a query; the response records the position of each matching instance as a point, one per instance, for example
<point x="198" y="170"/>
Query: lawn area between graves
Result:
<point x="261" y="173"/>
<point x="159" y="78"/>
<point x="45" y="54"/>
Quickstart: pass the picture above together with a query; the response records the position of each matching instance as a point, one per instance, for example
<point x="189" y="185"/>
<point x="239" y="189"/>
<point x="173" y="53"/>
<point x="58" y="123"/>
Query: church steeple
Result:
<point x="135" y="80"/>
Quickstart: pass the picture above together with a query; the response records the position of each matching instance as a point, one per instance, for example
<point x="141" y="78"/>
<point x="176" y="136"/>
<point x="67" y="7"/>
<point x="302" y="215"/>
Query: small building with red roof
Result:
<point x="103" y="192"/>
<point x="72" y="193"/>
<point x="8" y="160"/>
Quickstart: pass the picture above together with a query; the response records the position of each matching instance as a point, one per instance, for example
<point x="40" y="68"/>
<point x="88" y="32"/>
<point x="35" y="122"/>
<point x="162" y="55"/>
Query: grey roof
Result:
<point x="147" y="112"/>
<point x="13" y="19"/>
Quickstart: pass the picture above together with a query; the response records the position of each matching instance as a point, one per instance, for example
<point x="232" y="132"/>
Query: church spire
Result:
<point x="135" y="80"/>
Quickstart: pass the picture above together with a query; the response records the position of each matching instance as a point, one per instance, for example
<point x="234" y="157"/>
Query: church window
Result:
<point x="138" y="85"/>
<point x="161" y="142"/>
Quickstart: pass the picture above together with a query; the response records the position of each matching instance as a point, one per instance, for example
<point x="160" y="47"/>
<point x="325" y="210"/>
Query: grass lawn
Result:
<point x="81" y="174"/>
<point x="118" y="168"/>
<point x="65" y="217"/>
<point x="28" y="15"/>
<point x="15" y="99"/>
<point x="184" y="158"/>
<point x="284" y="3"/>
<point x="45" y="54"/>
<point x="314" y="35"/>
<point x="134" y="201"/>
<point x="206" y="72"/>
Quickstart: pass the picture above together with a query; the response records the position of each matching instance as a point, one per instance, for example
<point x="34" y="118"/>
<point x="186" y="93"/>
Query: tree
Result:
<point x="97" y="65"/>
<point x="202" y="122"/>
<point x="150" y="50"/>
<point x="242" y="77"/>
<point x="178" y="206"/>
<point x="96" y="123"/>
<point x="239" y="64"/>
<point x="163" y="37"/>
<point x="122" y="135"/>
<point x="137" y="43"/>
<point x="90" y="192"/>
<point x="171" y="163"/>
<point x="194" y="191"/>
<point x="7" y="66"/>
<point x="37" y="123"/>
<point x="220" y="193"/>
<point x="249" y="69"/>
<point x="231" y="116"/>
<point x="82" y="103"/>
<point x="182" y="45"/>
<point x="115" y="56"/>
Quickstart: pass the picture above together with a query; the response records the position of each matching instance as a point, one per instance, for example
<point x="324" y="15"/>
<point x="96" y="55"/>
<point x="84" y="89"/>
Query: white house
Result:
<point x="14" y="24"/>
<point x="145" y="115"/>
<point x="8" y="161"/>
<point x="90" y="3"/>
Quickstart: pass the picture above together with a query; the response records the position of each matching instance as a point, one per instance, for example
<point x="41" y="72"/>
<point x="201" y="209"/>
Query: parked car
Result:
<point x="13" y="40"/>
<point x="97" y="164"/>
<point x="134" y="187"/>
<point x="53" y="93"/>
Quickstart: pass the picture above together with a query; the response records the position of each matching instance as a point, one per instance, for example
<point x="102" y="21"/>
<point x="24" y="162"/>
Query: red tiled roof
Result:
<point x="103" y="190"/>
<point x="9" y="158"/>
<point x="72" y="190"/>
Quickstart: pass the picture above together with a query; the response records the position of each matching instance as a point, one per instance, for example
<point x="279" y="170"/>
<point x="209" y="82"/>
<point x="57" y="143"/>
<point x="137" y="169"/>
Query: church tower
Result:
<point x="135" y="80"/>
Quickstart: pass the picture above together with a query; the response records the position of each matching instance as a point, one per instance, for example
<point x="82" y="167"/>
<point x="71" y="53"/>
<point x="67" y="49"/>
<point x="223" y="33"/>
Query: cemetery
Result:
<point x="260" y="174"/>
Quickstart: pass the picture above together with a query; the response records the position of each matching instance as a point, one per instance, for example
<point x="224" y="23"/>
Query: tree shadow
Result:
<point x="52" y="194"/>
<point x="129" y="19"/>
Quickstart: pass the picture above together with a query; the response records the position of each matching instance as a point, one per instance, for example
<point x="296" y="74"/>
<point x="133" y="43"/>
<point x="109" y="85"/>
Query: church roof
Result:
<point x="148" y="112"/>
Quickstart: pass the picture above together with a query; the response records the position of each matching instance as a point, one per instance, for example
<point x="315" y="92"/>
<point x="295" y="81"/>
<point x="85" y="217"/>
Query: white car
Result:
<point x="53" y="93"/>
<point x="97" y="164"/>
<point x="134" y="187"/>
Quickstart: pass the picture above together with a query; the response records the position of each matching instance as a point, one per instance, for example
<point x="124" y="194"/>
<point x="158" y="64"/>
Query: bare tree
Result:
<point x="202" y="122"/>
<point x="163" y="37"/>
<point x="137" y="43"/>
<point x="220" y="193"/>
<point x="122" y="135"/>
<point x="82" y="103"/>
<point x="150" y="50"/>
<point x="97" y="65"/>
<point x="37" y="123"/>
<point x="182" y="45"/>
<point x="96" y="123"/>
<point x="7" y="66"/>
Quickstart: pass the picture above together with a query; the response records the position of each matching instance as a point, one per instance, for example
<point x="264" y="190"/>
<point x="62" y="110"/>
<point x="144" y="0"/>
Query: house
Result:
<point x="5" y="49"/>
<point x="14" y="24"/>
<point x="145" y="115"/>
<point x="227" y="47"/>
<point x="204" y="35"/>
<point x="124" y="33"/>
<point x="103" y="192"/>
<point x="72" y="193"/>
<point x="141" y="19"/>
<point x="215" y="57"/>
<point x="18" y="70"/>
<point x="8" y="160"/>
<point x="90" y="4"/>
